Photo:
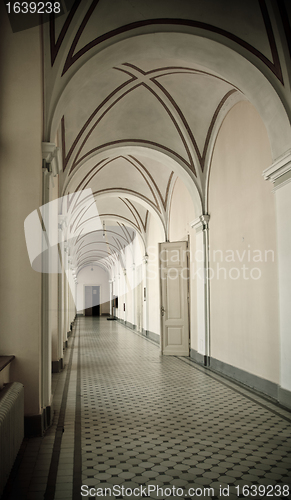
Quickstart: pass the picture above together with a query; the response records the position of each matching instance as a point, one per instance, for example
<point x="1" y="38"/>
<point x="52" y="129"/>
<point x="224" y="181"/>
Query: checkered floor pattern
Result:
<point x="157" y="422"/>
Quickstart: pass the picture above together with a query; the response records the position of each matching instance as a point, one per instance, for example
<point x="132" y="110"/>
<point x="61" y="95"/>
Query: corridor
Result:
<point x="127" y="417"/>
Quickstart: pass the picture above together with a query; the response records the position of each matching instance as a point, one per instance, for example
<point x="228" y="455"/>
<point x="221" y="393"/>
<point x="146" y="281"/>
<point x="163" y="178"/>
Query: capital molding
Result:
<point x="51" y="155"/>
<point x="201" y="223"/>
<point x="276" y="173"/>
<point x="62" y="222"/>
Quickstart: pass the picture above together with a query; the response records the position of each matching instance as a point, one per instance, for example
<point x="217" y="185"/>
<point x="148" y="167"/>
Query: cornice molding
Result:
<point x="51" y="155"/>
<point x="279" y="168"/>
<point x="201" y="222"/>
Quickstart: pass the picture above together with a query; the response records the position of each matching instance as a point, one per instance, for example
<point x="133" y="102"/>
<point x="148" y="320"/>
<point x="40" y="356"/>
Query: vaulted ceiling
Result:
<point x="135" y="96"/>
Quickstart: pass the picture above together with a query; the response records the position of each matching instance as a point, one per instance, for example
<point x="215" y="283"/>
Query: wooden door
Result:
<point x="95" y="300"/>
<point x="88" y="301"/>
<point x="174" y="299"/>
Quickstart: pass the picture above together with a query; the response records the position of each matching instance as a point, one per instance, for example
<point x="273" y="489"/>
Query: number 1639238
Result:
<point x="33" y="7"/>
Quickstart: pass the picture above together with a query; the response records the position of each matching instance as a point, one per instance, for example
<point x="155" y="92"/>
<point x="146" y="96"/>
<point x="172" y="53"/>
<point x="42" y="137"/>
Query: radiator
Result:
<point x="11" y="427"/>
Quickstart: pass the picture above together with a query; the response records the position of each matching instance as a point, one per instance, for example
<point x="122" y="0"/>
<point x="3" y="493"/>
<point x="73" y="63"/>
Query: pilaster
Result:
<point x="145" y="290"/>
<point x="201" y="263"/>
<point x="279" y="173"/>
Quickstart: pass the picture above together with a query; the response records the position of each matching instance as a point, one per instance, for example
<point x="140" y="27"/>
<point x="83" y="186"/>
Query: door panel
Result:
<point x="88" y="301"/>
<point x="174" y="298"/>
<point x="174" y="336"/>
<point x="95" y="300"/>
<point x="139" y="300"/>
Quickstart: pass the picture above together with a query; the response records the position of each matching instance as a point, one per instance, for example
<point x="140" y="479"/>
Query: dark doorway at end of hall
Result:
<point x="92" y="300"/>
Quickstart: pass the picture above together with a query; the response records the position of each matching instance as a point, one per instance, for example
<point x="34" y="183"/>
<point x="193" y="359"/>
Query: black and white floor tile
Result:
<point x="127" y="418"/>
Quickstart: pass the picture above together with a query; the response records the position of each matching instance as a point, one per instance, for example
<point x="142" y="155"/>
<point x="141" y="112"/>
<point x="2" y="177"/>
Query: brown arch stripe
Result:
<point x="274" y="65"/>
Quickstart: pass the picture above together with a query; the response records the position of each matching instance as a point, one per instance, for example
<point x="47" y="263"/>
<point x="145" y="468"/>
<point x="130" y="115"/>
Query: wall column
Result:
<point x="46" y="341"/>
<point x="145" y="292"/>
<point x="133" y="284"/>
<point x="20" y="194"/>
<point x="125" y="291"/>
<point x="118" y="292"/>
<point x="201" y="272"/>
<point x="111" y="297"/>
<point x="280" y="175"/>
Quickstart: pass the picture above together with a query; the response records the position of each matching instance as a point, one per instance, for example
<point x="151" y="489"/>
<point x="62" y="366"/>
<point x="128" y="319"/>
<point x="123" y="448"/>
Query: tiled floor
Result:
<point x="127" y="417"/>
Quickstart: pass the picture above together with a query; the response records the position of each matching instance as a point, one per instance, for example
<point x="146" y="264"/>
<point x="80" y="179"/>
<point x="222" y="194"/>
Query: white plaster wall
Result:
<point x="129" y="284"/>
<point x="122" y="291"/>
<point x="116" y="285"/>
<point x="119" y="287"/>
<point x="71" y="297"/>
<point x="53" y="307"/>
<point x="53" y="316"/>
<point x="20" y="194"/>
<point x="181" y="214"/>
<point x="97" y="277"/>
<point x="124" y="285"/>
<point x="244" y="311"/>
<point x="155" y="236"/>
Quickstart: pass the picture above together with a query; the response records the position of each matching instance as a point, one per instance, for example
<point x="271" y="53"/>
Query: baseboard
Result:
<point x="130" y="325"/>
<point x="197" y="357"/>
<point x="36" y="425"/>
<point x="145" y="333"/>
<point x="265" y="387"/>
<point x="284" y="397"/>
<point x="57" y="366"/>
<point x="151" y="335"/>
<point x="253" y="381"/>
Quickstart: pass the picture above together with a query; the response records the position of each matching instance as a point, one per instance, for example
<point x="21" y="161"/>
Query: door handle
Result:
<point x="163" y="310"/>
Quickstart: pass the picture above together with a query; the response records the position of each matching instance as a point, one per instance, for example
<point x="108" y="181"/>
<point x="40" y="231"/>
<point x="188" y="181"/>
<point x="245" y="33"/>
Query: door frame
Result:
<point x="186" y="300"/>
<point x="100" y="295"/>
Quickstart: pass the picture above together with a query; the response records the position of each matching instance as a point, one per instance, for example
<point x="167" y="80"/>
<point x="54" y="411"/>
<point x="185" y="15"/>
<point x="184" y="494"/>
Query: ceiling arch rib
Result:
<point x="256" y="38"/>
<point x="138" y="100"/>
<point x="131" y="180"/>
<point x="148" y="108"/>
<point x="158" y="166"/>
<point x="80" y="148"/>
<point x="197" y="53"/>
<point x="91" y="263"/>
<point x="113" y="249"/>
<point x="107" y="245"/>
<point x="132" y="175"/>
<point x="151" y="95"/>
<point x="118" y="193"/>
<point x="120" y="235"/>
<point x="119" y="208"/>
